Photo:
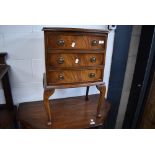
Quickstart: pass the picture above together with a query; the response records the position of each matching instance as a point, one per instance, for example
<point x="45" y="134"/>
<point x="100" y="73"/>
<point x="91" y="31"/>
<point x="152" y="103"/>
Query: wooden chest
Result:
<point x="74" y="58"/>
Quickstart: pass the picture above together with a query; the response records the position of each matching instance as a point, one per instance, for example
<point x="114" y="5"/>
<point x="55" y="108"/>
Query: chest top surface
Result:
<point x="74" y="57"/>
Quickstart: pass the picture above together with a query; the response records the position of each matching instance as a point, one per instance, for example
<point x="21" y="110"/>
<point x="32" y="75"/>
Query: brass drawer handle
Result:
<point x="92" y="75"/>
<point x="93" y="59"/>
<point x="61" y="77"/>
<point x="60" y="42"/>
<point x="61" y="60"/>
<point x="94" y="43"/>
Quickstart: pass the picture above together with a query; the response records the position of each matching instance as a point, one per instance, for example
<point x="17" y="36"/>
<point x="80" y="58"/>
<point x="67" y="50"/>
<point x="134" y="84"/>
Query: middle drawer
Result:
<point x="75" y="59"/>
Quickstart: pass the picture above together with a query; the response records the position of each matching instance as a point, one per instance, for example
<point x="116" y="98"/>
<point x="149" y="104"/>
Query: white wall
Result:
<point x="25" y="48"/>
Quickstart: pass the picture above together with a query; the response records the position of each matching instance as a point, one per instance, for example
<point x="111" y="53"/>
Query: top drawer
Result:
<point x="65" y="41"/>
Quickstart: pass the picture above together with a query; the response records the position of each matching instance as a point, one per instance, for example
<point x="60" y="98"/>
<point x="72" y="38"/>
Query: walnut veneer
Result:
<point x="7" y="111"/>
<point x="74" y="58"/>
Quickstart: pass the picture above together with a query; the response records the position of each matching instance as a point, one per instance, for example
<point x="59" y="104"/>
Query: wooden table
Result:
<point x="68" y="113"/>
<point x="7" y="111"/>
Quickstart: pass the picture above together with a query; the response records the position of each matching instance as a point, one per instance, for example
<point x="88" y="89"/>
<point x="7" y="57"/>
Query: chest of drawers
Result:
<point x="74" y="58"/>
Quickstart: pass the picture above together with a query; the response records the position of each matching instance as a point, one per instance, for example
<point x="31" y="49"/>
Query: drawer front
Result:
<point x="74" y="76"/>
<point x="75" y="60"/>
<point x="75" y="42"/>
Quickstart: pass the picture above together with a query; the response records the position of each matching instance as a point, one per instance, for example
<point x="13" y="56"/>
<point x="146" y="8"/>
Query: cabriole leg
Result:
<point x="47" y="94"/>
<point x="102" y="89"/>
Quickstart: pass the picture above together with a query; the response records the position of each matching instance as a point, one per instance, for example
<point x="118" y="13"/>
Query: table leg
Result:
<point x="87" y="91"/>
<point x="102" y="89"/>
<point x="7" y="91"/>
<point x="47" y="94"/>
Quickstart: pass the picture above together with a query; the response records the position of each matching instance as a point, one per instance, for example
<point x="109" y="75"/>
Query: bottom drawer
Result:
<point x="74" y="76"/>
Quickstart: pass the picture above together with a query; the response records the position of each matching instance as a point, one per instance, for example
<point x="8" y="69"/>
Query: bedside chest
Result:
<point x="74" y="58"/>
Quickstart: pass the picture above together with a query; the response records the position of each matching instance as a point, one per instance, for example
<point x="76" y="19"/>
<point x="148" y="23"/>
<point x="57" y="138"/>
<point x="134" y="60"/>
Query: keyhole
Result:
<point x="77" y="61"/>
<point x="73" y="44"/>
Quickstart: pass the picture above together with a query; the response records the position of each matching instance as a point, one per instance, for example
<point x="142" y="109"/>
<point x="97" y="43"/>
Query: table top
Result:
<point x="64" y="29"/>
<point x="68" y="113"/>
<point x="3" y="70"/>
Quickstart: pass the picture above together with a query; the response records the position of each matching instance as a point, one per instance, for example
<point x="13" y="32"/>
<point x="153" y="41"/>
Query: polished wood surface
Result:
<point x="74" y="76"/>
<point x="148" y="119"/>
<point x="70" y="51"/>
<point x="102" y="89"/>
<point x="74" y="41"/>
<point x="72" y="85"/>
<point x="7" y="111"/>
<point x="2" y="58"/>
<point x="77" y="30"/>
<point x="3" y="70"/>
<point x="68" y="113"/>
<point x="4" y="77"/>
<point x="87" y="92"/>
<point x="7" y="117"/>
<point x="73" y="58"/>
<point x="68" y="43"/>
<point x="47" y="94"/>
